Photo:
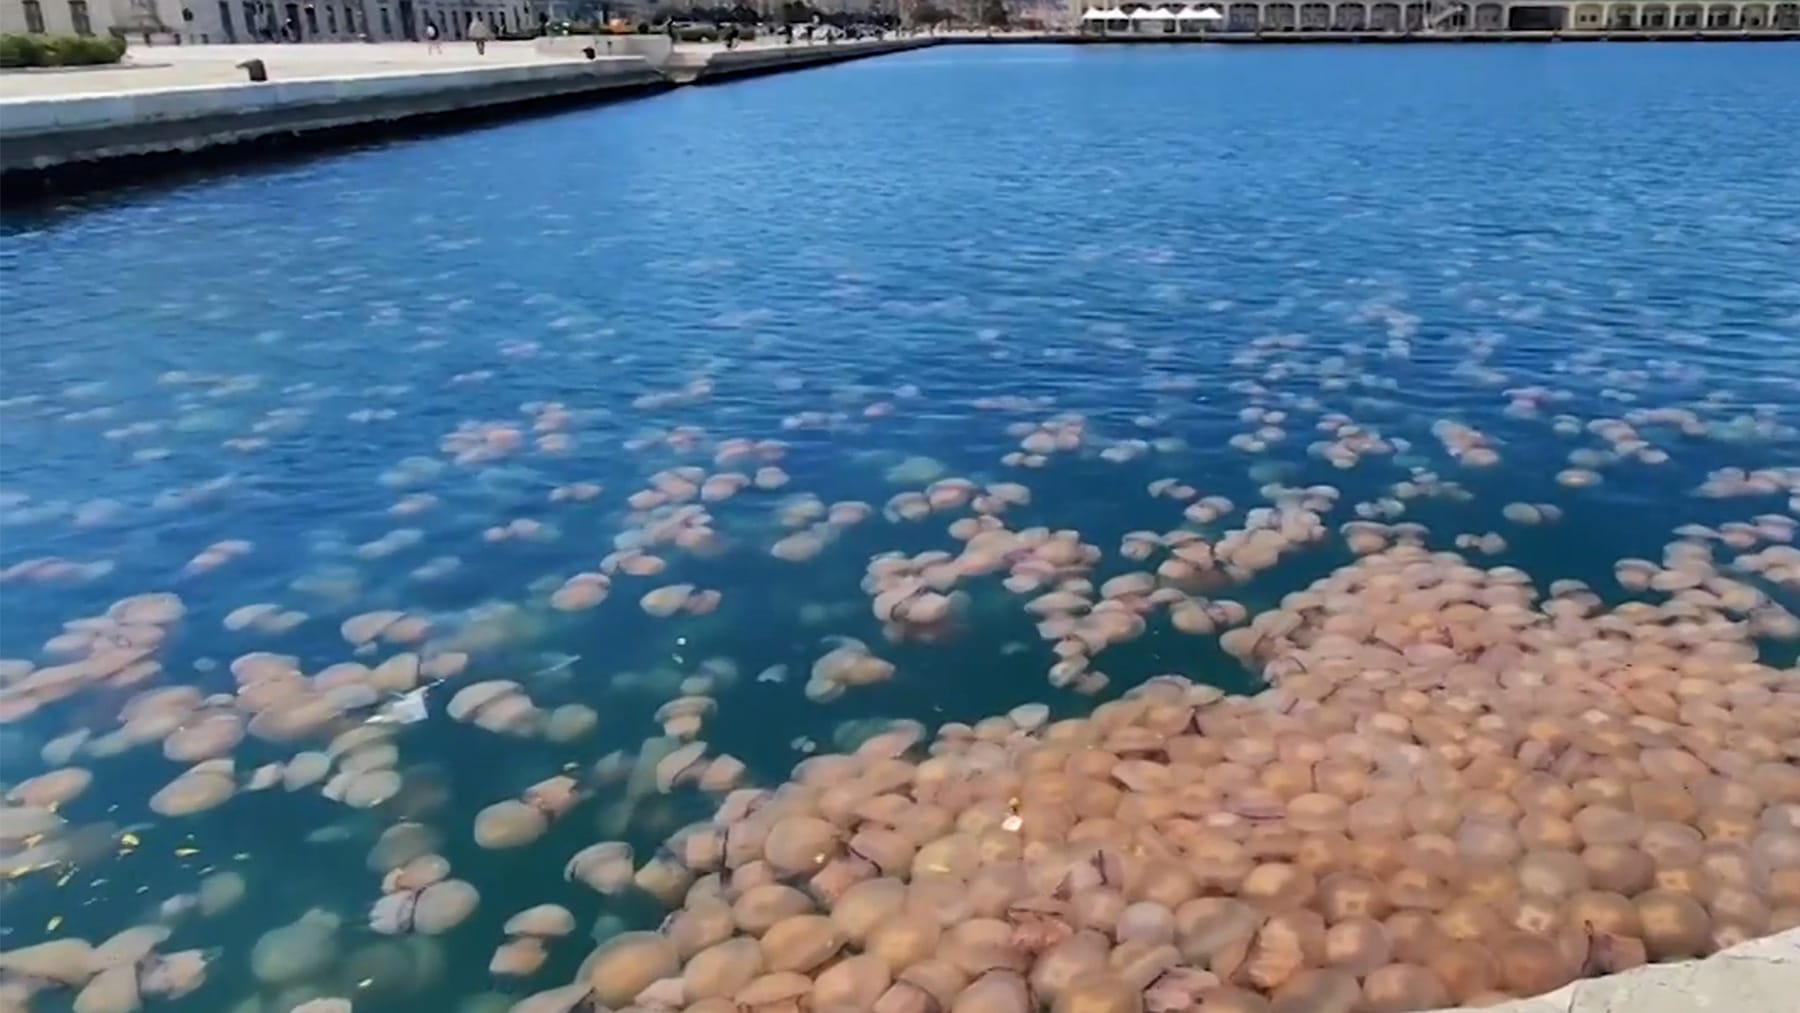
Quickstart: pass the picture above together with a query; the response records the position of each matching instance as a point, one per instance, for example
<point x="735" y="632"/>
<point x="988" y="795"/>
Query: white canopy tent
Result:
<point x="1146" y="14"/>
<point x="1197" y="19"/>
<point x="1103" y="19"/>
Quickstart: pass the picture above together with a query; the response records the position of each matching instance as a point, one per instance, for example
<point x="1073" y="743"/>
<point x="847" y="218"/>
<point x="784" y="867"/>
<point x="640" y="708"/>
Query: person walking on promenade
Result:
<point x="432" y="45"/>
<point x="480" y="33"/>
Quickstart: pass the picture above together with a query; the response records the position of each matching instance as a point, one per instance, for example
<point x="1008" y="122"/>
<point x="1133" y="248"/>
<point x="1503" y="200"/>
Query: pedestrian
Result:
<point x="432" y="45"/>
<point x="480" y="33"/>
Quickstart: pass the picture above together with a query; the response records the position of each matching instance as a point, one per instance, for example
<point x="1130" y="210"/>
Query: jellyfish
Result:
<point x="629" y="963"/>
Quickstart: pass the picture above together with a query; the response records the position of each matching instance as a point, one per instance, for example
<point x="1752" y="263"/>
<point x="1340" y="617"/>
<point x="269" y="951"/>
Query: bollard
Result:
<point x="257" y="70"/>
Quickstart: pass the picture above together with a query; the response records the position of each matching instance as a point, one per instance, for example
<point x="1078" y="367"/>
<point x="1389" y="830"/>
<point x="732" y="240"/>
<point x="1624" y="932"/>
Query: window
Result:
<point x="225" y="21"/>
<point x="78" y="17"/>
<point x="34" y="17"/>
<point x="312" y="20"/>
<point x="387" y="24"/>
<point x="349" y="19"/>
<point x="331" y="19"/>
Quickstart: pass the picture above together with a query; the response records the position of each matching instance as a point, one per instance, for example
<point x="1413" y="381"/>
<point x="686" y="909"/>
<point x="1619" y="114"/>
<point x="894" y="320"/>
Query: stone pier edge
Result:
<point x="1759" y="976"/>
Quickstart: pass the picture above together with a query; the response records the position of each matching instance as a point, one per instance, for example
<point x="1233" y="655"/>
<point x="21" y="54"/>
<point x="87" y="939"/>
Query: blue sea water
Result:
<point x="1105" y="230"/>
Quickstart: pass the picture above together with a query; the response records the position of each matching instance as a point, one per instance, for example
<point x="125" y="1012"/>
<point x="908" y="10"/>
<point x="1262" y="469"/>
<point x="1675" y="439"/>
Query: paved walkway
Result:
<point x="155" y="68"/>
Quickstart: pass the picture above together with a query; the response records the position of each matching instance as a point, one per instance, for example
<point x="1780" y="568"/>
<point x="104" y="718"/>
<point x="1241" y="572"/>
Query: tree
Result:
<point x="927" y="13"/>
<point x="993" y="13"/>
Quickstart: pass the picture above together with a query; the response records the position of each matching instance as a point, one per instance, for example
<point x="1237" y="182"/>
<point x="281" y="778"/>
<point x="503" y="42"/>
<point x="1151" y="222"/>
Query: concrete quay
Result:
<point x="714" y="64"/>
<point x="180" y="106"/>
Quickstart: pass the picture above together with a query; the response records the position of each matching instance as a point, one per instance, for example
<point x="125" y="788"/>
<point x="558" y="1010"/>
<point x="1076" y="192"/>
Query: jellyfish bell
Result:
<point x="518" y="958"/>
<point x="543" y="920"/>
<point x="509" y="824"/>
<point x="173" y="975"/>
<point x="627" y="964"/>
<point x="64" y="961"/>
<point x="114" y="990"/>
<point x="199" y="789"/>
<point x="51" y="789"/>
<point x="296" y="951"/>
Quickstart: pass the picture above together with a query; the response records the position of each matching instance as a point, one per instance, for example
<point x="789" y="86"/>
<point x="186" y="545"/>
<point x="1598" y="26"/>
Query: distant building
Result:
<point x="348" y="20"/>
<point x="58" y="17"/>
<point x="1454" y="17"/>
<point x="216" y="21"/>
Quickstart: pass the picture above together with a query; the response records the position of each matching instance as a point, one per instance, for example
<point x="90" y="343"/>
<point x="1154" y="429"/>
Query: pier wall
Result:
<point x="728" y="65"/>
<point x="61" y="136"/>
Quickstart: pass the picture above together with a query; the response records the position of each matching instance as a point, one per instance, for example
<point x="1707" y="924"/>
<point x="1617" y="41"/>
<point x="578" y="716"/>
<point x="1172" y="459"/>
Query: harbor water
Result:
<point x="430" y="376"/>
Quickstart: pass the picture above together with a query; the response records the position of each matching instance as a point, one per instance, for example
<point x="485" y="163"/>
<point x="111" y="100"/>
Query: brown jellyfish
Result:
<point x="852" y="985"/>
<point x="546" y="921"/>
<point x="627" y="964"/>
<point x="67" y="962"/>
<point x="996" y="991"/>
<point x="1618" y="868"/>
<point x="775" y="993"/>
<point x="1415" y="935"/>
<point x="866" y="905"/>
<point x="1347" y="895"/>
<point x="1278" y="886"/>
<point x="800" y="943"/>
<point x="1555" y="875"/>
<point x="1399" y="987"/>
<point x="1082" y="953"/>
<point x="760" y="907"/>
<point x="1279" y="950"/>
<point x="1604" y="824"/>
<point x="509" y="824"/>
<point x="1317" y="990"/>
<point x="202" y="787"/>
<point x="723" y="969"/>
<point x="173" y="975"/>
<point x="606" y="867"/>
<point x="1675" y="925"/>
<point x="800" y="845"/>
<point x="518" y="958"/>
<point x="1358" y="945"/>
<point x="904" y="940"/>
<point x="1531" y="964"/>
<point x="52" y="789"/>
<point x="1214" y="929"/>
<point x="442" y="906"/>
<point x="1099" y="993"/>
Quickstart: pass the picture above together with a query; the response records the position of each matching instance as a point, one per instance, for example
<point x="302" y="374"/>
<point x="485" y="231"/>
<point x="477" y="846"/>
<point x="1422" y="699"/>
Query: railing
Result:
<point x="1442" y="12"/>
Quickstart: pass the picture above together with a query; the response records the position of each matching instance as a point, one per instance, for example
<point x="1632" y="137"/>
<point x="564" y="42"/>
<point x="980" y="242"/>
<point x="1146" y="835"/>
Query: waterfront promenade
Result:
<point x="75" y="130"/>
<point x="160" y="67"/>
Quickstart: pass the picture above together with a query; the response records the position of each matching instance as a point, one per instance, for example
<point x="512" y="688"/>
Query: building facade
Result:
<point x="348" y="20"/>
<point x="57" y="17"/>
<point x="226" y="21"/>
<point x="1455" y="17"/>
